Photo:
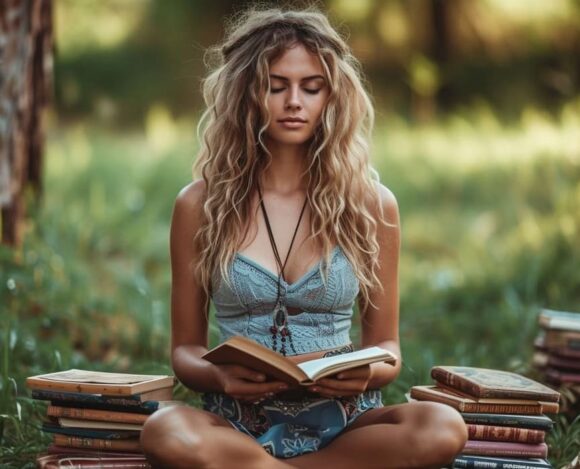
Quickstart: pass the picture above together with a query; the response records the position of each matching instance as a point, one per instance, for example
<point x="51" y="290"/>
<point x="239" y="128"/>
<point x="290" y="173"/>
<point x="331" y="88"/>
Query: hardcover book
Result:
<point x="464" y="461"/>
<point x="497" y="433"/>
<point x="561" y="377"/>
<point x="99" y="382"/>
<point x="105" y="434"/>
<point x="75" y="461"/>
<point x="553" y="338"/>
<point x="97" y="443"/>
<point x="243" y="351"/>
<point x="94" y="414"/>
<point x="145" y="402"/>
<point x="96" y="424"/>
<point x="543" y="360"/>
<point x="537" y="422"/>
<point x="561" y="320"/>
<point x="501" y="448"/>
<point x="496" y="406"/>
<point x="486" y="383"/>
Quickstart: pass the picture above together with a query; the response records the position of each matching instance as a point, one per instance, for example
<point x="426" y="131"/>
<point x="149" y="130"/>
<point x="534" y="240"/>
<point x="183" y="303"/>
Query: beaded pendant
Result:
<point x="280" y="325"/>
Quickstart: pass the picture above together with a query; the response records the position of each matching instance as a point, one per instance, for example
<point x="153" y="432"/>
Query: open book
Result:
<point x="243" y="351"/>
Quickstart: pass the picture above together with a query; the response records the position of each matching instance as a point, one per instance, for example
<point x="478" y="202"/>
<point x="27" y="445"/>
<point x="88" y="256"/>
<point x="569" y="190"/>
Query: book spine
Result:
<point x="44" y="395"/>
<point x="501" y="408"/>
<point x="474" y="462"/>
<point x="96" y="443"/>
<point x="457" y="382"/>
<point x="91" y="433"/>
<point x="485" y="448"/>
<point x="92" y="414"/>
<point x="147" y="407"/>
<point x="79" y="462"/>
<point x="520" y="421"/>
<point x="496" y="433"/>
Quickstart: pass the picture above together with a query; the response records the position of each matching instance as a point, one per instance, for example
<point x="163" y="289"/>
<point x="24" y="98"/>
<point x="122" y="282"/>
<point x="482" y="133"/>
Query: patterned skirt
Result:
<point x="290" y="427"/>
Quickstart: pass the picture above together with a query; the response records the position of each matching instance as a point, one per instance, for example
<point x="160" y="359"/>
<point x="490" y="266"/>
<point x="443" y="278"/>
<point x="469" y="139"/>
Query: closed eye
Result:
<point x="278" y="90"/>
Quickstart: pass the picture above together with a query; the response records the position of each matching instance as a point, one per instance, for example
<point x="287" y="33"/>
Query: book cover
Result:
<point x="561" y="377"/>
<point x="487" y="383"/>
<point x="145" y="402"/>
<point x="567" y="339"/>
<point x="544" y="359"/>
<point x="464" y="404"/>
<point x="105" y="434"/>
<point x="97" y="443"/>
<point x="65" y="450"/>
<point x="98" y="425"/>
<point x="561" y="320"/>
<point x="559" y="350"/>
<point x="55" y="461"/>
<point x="244" y="351"/>
<point x="99" y="382"/>
<point x="464" y="461"/>
<point x="537" y="422"/>
<point x="501" y="448"/>
<point x="95" y="414"/>
<point x="498" y="433"/>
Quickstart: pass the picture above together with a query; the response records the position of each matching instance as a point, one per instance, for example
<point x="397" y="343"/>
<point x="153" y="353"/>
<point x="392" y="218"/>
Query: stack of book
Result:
<point x="503" y="411"/>
<point x="95" y="418"/>
<point x="557" y="354"/>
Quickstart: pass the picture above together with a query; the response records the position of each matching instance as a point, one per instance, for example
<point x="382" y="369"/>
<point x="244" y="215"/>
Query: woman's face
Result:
<point x="298" y="93"/>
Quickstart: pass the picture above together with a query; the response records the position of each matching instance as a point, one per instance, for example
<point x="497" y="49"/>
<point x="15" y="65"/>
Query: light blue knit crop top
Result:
<point x="324" y="322"/>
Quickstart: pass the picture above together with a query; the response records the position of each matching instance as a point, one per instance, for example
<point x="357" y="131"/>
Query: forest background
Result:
<point x="477" y="134"/>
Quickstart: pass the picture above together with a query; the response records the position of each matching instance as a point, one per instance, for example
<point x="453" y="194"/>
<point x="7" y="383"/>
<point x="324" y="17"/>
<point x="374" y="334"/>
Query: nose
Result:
<point x="293" y="101"/>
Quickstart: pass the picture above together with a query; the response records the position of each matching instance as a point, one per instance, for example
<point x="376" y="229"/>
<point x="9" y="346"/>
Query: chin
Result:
<point x="296" y="139"/>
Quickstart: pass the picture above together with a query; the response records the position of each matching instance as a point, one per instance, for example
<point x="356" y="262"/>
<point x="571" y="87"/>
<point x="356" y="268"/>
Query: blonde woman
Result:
<point x="287" y="227"/>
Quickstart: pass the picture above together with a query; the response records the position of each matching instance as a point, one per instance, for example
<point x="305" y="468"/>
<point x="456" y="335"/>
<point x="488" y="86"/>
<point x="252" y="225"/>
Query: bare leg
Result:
<point x="183" y="437"/>
<point x="414" y="435"/>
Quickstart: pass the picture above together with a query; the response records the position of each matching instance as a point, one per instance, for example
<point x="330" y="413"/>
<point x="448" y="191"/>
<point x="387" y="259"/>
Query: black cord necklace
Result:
<point x="280" y="313"/>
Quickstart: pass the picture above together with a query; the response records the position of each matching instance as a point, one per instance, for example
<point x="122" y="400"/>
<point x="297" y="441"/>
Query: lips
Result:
<point x="293" y="119"/>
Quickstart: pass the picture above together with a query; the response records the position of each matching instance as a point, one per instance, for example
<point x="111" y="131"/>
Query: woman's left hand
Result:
<point x="346" y="383"/>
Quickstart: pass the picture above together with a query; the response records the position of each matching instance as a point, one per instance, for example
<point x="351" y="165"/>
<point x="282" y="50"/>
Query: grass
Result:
<point x="490" y="216"/>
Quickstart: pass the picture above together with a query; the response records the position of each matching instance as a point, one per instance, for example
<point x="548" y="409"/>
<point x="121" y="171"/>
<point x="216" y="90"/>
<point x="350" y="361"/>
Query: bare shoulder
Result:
<point x="188" y="208"/>
<point x="389" y="205"/>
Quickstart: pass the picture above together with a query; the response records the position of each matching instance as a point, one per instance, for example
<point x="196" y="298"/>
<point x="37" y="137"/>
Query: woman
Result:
<point x="287" y="227"/>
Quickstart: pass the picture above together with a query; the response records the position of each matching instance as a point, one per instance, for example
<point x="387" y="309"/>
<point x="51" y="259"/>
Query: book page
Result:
<point x="100" y="377"/>
<point x="313" y="368"/>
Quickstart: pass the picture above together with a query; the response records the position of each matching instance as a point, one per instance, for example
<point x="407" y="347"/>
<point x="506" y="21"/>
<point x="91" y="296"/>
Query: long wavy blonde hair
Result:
<point x="342" y="186"/>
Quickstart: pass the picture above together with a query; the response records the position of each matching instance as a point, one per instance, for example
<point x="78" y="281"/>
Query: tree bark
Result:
<point x="25" y="87"/>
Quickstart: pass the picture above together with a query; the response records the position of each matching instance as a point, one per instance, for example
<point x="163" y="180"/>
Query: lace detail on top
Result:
<point x="245" y="307"/>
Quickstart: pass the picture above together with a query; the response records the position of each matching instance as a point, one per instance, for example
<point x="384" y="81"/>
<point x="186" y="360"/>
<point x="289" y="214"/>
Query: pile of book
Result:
<point x="557" y="352"/>
<point x="503" y="411"/>
<point x="95" y="418"/>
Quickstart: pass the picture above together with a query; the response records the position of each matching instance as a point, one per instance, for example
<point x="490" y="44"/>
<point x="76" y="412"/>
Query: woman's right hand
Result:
<point x="246" y="384"/>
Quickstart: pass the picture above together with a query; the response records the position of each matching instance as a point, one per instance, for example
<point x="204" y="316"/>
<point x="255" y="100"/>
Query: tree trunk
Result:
<point x="25" y="87"/>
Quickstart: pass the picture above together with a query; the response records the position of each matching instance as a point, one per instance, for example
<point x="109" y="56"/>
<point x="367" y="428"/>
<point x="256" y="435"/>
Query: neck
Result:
<point x="287" y="171"/>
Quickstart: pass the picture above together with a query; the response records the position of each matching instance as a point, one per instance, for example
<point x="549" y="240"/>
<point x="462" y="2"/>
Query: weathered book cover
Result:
<point x="99" y="382"/>
<point x="146" y="403"/>
<point x="104" y="434"/>
<point x="561" y="377"/>
<point x="95" y="414"/>
<point x="501" y="448"/>
<point x="97" y="443"/>
<point x="464" y="404"/>
<point x="497" y="433"/>
<point x="537" y="422"/>
<point x="55" y="461"/>
<point x="65" y="450"/>
<point x="561" y="351"/>
<point x="487" y="383"/>
<point x="561" y="320"/>
<point x="464" y="461"/>
<point x="567" y="339"/>
<point x="546" y="359"/>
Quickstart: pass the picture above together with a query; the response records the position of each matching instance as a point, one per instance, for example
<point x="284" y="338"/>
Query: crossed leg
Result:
<point x="414" y="435"/>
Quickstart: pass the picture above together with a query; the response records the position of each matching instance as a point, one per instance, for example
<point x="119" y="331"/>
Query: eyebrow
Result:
<point x="311" y="77"/>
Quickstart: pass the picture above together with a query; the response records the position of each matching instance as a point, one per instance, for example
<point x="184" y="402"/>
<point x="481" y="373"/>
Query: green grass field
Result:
<point x="490" y="218"/>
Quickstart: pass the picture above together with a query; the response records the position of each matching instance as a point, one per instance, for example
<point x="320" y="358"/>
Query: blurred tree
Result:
<point x="26" y="57"/>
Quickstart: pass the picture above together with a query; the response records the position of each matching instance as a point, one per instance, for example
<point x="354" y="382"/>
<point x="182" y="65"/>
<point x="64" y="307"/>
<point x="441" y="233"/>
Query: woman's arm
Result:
<point x="380" y="324"/>
<point x="189" y="316"/>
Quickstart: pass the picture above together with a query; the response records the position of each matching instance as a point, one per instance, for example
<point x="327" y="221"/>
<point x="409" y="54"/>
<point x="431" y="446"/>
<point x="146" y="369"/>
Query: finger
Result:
<point x="246" y="373"/>
<point x="353" y="373"/>
<point x="353" y="385"/>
